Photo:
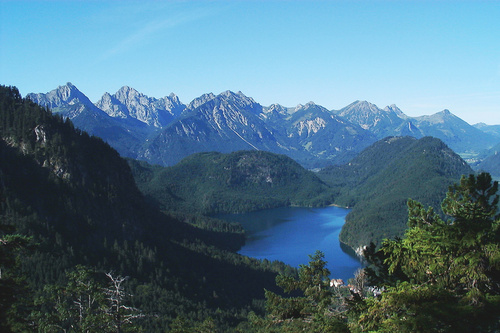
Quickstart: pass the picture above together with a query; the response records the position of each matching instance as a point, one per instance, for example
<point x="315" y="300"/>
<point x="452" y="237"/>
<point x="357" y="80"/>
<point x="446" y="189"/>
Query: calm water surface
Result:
<point x="290" y="234"/>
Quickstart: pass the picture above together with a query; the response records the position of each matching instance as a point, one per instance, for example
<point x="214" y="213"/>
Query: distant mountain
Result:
<point x="163" y="131"/>
<point x="241" y="181"/>
<point x="490" y="129"/>
<point x="390" y="121"/>
<point x="129" y="103"/>
<point x="200" y="100"/>
<point x="225" y="123"/>
<point x="379" y="181"/>
<point x="63" y="96"/>
<point x="70" y="102"/>
<point x="325" y="135"/>
<point x="229" y="122"/>
<point x="455" y="132"/>
<point x="276" y="112"/>
<point x="491" y="163"/>
<point x="125" y="135"/>
<point x="486" y="160"/>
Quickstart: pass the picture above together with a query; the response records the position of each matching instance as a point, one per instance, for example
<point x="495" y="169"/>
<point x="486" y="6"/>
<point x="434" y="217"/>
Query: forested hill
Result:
<point x="242" y="181"/>
<point x="376" y="184"/>
<point x="77" y="198"/>
<point x="380" y="180"/>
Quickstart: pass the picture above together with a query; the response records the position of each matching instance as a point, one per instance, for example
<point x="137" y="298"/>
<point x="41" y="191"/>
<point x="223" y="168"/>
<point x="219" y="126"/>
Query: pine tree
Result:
<point x="447" y="269"/>
<point x="312" y="308"/>
<point x="13" y="288"/>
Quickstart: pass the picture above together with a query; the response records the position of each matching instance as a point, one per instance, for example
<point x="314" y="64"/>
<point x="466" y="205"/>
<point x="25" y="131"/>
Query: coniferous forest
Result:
<point x="83" y="250"/>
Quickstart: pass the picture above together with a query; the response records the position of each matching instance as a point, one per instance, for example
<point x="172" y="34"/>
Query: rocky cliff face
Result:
<point x="129" y="103"/>
<point x="308" y="120"/>
<point x="200" y="100"/>
<point x="390" y="121"/>
<point x="325" y="135"/>
<point x="62" y="96"/>
<point x="224" y="123"/>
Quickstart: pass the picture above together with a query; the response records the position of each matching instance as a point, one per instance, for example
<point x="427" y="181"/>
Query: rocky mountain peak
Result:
<point x="238" y="97"/>
<point x="70" y="94"/>
<point x="67" y="94"/>
<point x="126" y="94"/>
<point x="174" y="98"/>
<point x="112" y="106"/>
<point x="441" y="117"/>
<point x="298" y="107"/>
<point x="238" y="101"/>
<point x="200" y="100"/>
<point x="360" y="107"/>
<point x="387" y="122"/>
<point x="310" y="107"/>
<point x="277" y="108"/>
<point x="394" y="109"/>
<point x="128" y="102"/>
<point x="275" y="112"/>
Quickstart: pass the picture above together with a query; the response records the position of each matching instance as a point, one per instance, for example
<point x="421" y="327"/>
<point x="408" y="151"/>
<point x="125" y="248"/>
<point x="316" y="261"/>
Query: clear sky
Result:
<point x="423" y="56"/>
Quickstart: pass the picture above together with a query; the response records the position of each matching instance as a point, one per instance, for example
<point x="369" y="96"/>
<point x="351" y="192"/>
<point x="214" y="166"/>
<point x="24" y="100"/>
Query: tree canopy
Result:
<point x="444" y="271"/>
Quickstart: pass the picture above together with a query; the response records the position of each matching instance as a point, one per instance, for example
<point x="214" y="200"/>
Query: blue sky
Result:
<point x="423" y="56"/>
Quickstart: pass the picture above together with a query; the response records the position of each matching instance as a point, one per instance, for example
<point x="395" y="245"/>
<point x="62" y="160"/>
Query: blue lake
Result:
<point x="290" y="234"/>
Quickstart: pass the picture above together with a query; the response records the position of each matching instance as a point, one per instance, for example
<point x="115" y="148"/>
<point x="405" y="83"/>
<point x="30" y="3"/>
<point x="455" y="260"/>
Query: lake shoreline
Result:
<point x="291" y="234"/>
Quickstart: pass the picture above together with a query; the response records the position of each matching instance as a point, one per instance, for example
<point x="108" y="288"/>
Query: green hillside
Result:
<point x="378" y="183"/>
<point x="242" y="181"/>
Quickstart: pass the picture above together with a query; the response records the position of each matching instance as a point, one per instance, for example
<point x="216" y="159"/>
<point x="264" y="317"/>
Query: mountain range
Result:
<point x="163" y="131"/>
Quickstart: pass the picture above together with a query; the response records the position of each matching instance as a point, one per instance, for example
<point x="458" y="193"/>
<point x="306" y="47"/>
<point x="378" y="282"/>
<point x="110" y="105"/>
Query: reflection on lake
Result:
<point x="290" y="234"/>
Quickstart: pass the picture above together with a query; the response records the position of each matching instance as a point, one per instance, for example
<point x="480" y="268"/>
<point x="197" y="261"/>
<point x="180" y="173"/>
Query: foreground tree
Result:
<point x="312" y="307"/>
<point x="77" y="306"/>
<point x="13" y="289"/>
<point x="83" y="304"/>
<point x="443" y="275"/>
<point x="122" y="316"/>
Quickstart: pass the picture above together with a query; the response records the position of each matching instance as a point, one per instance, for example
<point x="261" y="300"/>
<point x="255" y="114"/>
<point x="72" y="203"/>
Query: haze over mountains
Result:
<point x="164" y="130"/>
